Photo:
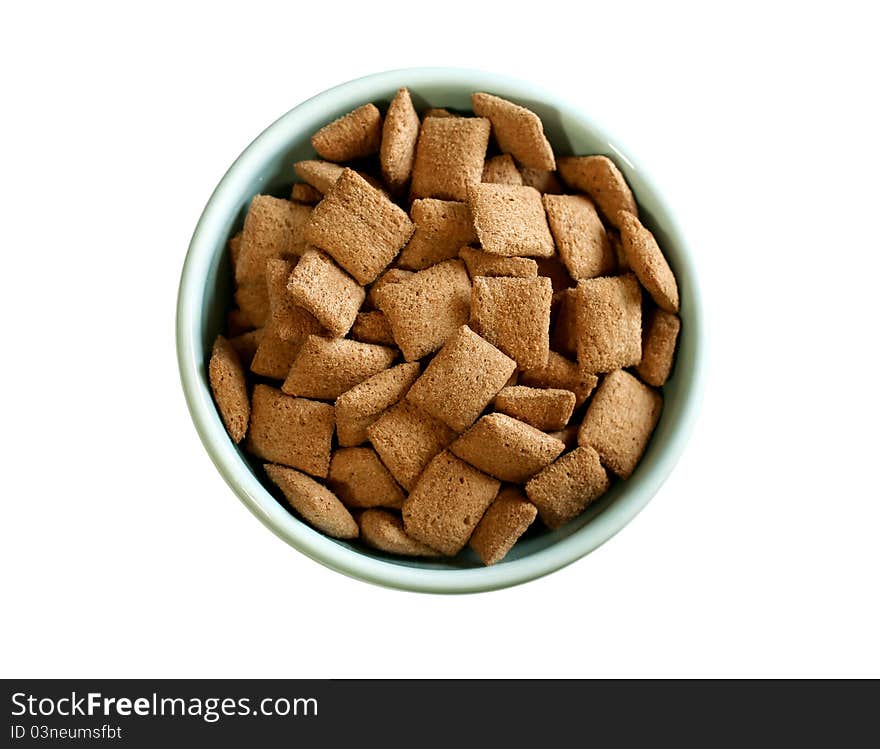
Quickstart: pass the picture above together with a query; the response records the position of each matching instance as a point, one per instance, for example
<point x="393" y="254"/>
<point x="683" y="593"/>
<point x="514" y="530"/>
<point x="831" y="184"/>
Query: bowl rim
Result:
<point x="264" y="506"/>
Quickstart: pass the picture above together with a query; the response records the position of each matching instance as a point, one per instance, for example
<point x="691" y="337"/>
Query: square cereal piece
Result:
<point x="547" y="409"/>
<point x="609" y="323"/>
<point x="229" y="388"/>
<point x="506" y="448"/>
<point x="462" y="379"/>
<point x="399" y="135"/>
<point x="321" y="175"/>
<point x="545" y="182"/>
<point x="447" y="502"/>
<point x="438" y="112"/>
<point x="563" y="328"/>
<point x="449" y="157"/>
<point x="644" y="256"/>
<point x="658" y="347"/>
<point x="580" y="236"/>
<point x="318" y="506"/>
<point x="481" y="263"/>
<point x="510" y="220"/>
<point x="325" y="368"/>
<point x="602" y="181"/>
<point x="294" y="432"/>
<point x="321" y="288"/>
<point x="564" y="489"/>
<point x="246" y="344"/>
<point x="352" y="136"/>
<point x="274" y="355"/>
<point x="359" y="479"/>
<point x="252" y="298"/>
<point x="406" y="439"/>
<point x="620" y="420"/>
<point x="272" y="228"/>
<point x="302" y="192"/>
<point x="427" y="308"/>
<point x="507" y="518"/>
<point x="291" y="322"/>
<point x="442" y="227"/>
<point x="561" y="373"/>
<point x="358" y="408"/>
<point x="392" y="275"/>
<point x="384" y="530"/>
<point x="518" y="130"/>
<point x="372" y="327"/>
<point x="359" y="227"/>
<point x="514" y="315"/>
<point x="501" y="170"/>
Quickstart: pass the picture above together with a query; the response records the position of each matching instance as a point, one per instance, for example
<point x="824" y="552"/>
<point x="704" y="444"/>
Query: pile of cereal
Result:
<point x="432" y="345"/>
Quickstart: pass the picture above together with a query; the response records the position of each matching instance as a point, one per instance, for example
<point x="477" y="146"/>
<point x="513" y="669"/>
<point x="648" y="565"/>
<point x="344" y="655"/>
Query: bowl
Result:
<point x="265" y="166"/>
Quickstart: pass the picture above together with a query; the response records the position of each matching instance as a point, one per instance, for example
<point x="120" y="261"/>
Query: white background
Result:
<point x="125" y="554"/>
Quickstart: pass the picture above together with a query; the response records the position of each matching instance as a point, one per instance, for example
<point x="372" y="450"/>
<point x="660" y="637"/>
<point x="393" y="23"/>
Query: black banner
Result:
<point x="135" y="713"/>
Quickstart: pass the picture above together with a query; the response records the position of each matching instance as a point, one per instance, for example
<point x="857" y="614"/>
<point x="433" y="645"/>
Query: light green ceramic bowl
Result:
<point x="266" y="167"/>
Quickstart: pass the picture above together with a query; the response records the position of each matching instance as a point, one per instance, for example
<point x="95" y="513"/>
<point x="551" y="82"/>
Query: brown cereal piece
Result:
<point x="372" y="327"/>
<point x="449" y="157"/>
<point x="461" y="379"/>
<point x="289" y="321"/>
<point x="644" y="256"/>
<point x="561" y="373"/>
<point x="565" y="488"/>
<point x="442" y="227"/>
<point x="427" y="308"/>
<point x="352" y="136"/>
<point x="274" y="355"/>
<point x="609" y="323"/>
<point x="318" y="506"/>
<point x="359" y="407"/>
<point x="252" y="298"/>
<point x="246" y="344"/>
<point x="438" y="112"/>
<point x="545" y="182"/>
<point x="292" y="431"/>
<point x="237" y="322"/>
<point x="229" y="387"/>
<point x="481" y="263"/>
<point x="392" y="275"/>
<point x="518" y="130"/>
<point x="447" y="502"/>
<point x="272" y="228"/>
<point x="321" y="175"/>
<point x="617" y="246"/>
<point x="620" y="420"/>
<point x="303" y="192"/>
<point x="658" y="347"/>
<point x="406" y="439"/>
<point x="359" y="227"/>
<point x="506" y="448"/>
<point x="514" y="315"/>
<point x="563" y="334"/>
<point x="318" y="286"/>
<point x="234" y="245"/>
<point x="399" y="135"/>
<point x="325" y="368"/>
<point x="558" y="274"/>
<point x="384" y="531"/>
<point x="602" y="181"/>
<point x="507" y="518"/>
<point x="360" y="480"/>
<point x="547" y="409"/>
<point x="501" y="170"/>
<point x="568" y="435"/>
<point x="510" y="220"/>
<point x="580" y="236"/>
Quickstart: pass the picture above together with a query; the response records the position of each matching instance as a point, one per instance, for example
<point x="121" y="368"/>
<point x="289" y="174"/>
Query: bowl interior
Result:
<point x="266" y="167"/>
